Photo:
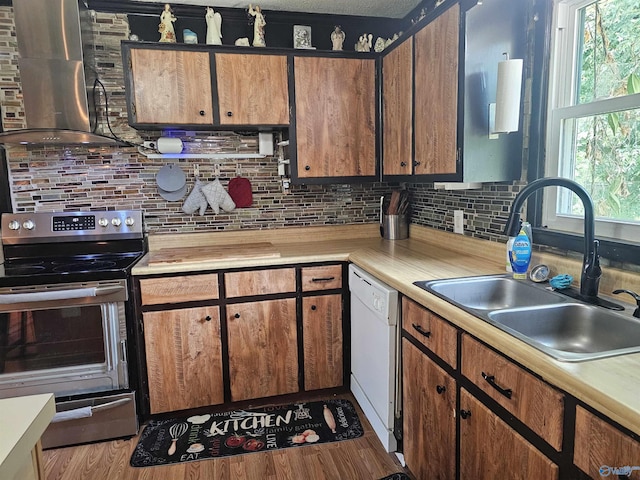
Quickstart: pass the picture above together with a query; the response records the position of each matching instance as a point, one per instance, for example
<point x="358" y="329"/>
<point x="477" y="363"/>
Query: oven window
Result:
<point x="54" y="338"/>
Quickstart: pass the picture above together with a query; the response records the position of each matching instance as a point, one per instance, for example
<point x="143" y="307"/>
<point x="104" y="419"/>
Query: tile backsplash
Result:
<point x="81" y="178"/>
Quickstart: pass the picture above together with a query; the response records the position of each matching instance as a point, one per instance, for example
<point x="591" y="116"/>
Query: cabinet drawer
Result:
<point x="188" y="288"/>
<point x="598" y="444"/>
<point x="260" y="282"/>
<point x="326" y="277"/>
<point x="535" y="403"/>
<point x="433" y="332"/>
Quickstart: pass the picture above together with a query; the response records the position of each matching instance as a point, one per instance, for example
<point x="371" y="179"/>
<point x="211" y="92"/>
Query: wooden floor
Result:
<point x="360" y="459"/>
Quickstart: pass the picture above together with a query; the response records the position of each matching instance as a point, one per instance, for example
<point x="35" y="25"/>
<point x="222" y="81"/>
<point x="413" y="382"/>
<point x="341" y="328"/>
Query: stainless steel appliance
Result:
<point x="64" y="310"/>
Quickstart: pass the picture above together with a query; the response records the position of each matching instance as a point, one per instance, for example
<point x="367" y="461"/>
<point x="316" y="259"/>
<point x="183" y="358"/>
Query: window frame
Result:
<point x="613" y="249"/>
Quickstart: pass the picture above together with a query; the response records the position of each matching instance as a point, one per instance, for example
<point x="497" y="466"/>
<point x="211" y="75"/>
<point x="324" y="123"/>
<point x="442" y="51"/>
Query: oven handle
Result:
<point x="47" y="296"/>
<point x="88" y="411"/>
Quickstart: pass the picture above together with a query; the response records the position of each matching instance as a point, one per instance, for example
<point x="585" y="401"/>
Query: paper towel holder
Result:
<point x="504" y="114"/>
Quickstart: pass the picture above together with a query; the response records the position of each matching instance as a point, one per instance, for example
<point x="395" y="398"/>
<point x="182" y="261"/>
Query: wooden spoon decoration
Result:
<point x="176" y="431"/>
<point x="328" y="418"/>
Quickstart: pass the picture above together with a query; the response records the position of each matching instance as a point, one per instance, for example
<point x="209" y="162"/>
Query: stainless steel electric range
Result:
<point x="66" y="320"/>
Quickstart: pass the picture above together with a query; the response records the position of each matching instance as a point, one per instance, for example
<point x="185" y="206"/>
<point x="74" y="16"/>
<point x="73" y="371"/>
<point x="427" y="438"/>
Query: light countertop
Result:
<point x="23" y="420"/>
<point x="610" y="385"/>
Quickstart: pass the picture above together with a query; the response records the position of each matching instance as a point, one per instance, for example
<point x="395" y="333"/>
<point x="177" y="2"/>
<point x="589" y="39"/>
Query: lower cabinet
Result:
<point x="490" y="449"/>
<point x="184" y="358"/>
<point x="322" y="341"/>
<point x="263" y="352"/>
<point x="429" y="423"/>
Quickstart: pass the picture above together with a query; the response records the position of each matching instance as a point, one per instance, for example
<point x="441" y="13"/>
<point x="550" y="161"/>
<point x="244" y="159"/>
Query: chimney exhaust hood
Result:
<point x="57" y="74"/>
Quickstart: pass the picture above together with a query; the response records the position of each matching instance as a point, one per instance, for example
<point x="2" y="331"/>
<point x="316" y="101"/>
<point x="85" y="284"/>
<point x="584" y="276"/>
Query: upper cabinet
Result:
<point x="182" y="86"/>
<point x="168" y="87"/>
<point x="453" y="70"/>
<point x="252" y="89"/>
<point x="334" y="133"/>
<point x="436" y="95"/>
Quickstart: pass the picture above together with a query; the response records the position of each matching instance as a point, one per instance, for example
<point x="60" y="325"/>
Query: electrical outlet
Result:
<point x="458" y="221"/>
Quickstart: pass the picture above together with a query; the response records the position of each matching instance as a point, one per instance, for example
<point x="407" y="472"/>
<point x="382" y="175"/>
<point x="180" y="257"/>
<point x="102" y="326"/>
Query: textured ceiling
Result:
<point x="371" y="8"/>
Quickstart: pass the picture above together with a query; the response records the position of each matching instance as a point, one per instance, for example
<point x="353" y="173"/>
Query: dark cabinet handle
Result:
<point x="307" y="167"/>
<point x="421" y="330"/>
<point x="229" y="114"/>
<point x="415" y="164"/>
<point x="403" y="164"/>
<point x="441" y="389"/>
<point x="465" y="414"/>
<point x="313" y="307"/>
<point x="323" y="279"/>
<point x="491" y="380"/>
<point x="237" y="315"/>
<point x="207" y="318"/>
<point x="202" y="113"/>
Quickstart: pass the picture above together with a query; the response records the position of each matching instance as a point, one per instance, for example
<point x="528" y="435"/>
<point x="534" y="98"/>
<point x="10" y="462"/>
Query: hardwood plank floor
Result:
<point x="361" y="459"/>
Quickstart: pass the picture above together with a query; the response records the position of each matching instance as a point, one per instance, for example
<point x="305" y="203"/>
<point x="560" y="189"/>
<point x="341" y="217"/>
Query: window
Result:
<point x="593" y="134"/>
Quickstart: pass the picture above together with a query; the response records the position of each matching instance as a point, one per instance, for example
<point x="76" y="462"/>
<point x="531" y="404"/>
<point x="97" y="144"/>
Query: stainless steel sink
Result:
<point x="571" y="331"/>
<point x="491" y="292"/>
<point x="557" y="325"/>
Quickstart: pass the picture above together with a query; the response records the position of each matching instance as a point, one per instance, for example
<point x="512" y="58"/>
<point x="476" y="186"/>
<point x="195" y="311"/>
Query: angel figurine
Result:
<point x="167" y="33"/>
<point x="214" y="27"/>
<point x="258" y="26"/>
<point x="337" y="38"/>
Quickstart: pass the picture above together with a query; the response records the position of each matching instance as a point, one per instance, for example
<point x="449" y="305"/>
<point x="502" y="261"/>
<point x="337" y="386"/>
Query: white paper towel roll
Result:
<point x="508" y="96"/>
<point x="169" y="145"/>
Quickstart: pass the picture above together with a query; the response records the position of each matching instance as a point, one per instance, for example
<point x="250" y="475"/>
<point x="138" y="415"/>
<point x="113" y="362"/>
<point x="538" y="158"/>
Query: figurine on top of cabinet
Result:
<point x="337" y="38"/>
<point x="258" y="26"/>
<point x="214" y="27"/>
<point x="364" y="43"/>
<point x="167" y="34"/>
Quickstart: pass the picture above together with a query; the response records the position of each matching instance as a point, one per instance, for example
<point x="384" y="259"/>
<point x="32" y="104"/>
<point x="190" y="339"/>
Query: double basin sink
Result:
<point x="555" y="324"/>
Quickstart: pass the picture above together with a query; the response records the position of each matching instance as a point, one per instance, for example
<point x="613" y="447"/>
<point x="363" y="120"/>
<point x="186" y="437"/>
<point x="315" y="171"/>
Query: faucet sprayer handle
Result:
<point x="635" y="296"/>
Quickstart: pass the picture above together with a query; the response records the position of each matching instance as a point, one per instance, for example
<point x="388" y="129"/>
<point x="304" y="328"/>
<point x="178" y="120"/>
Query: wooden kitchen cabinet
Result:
<point x="429" y="423"/>
<point x="433" y="332"/>
<point x="436" y="95"/>
<point x="599" y="445"/>
<point x="259" y="282"/>
<point x="169" y="87"/>
<point x="263" y="352"/>
<point x="397" y="110"/>
<point x="183" y="288"/>
<point x="183" y="358"/>
<point x="534" y="402"/>
<point x="322" y="341"/>
<point x="335" y="119"/>
<point x="490" y="449"/>
<point x="239" y="102"/>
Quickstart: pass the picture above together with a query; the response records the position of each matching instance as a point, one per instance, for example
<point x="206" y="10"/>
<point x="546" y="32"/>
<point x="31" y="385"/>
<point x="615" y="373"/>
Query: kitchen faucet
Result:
<point x="591" y="271"/>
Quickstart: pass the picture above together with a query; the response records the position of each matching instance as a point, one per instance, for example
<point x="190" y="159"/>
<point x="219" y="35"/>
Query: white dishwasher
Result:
<point x="374" y="349"/>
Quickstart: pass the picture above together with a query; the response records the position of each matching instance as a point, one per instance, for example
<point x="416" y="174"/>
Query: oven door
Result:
<point x="67" y="339"/>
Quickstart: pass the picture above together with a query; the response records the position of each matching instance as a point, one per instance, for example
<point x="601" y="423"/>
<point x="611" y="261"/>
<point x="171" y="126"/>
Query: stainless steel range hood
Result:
<point x="57" y="74"/>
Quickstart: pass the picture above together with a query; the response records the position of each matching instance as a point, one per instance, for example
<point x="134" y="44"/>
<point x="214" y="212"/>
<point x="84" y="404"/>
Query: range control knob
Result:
<point x="103" y="222"/>
<point x="129" y="221"/>
<point x="116" y="222"/>
<point x="28" y="225"/>
<point x="14" y="225"/>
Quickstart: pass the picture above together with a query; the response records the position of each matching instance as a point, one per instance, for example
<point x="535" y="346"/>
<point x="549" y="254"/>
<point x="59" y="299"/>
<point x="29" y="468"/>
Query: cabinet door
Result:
<point x="335" y="117"/>
<point x="184" y="358"/>
<point x="252" y="89"/>
<point x="397" y="109"/>
<point x="436" y="94"/>
<point x="170" y="87"/>
<point x="263" y="352"/>
<point x="260" y="282"/>
<point x="322" y="341"/>
<point x="490" y="449"/>
<point x="599" y="445"/>
<point x="429" y="424"/>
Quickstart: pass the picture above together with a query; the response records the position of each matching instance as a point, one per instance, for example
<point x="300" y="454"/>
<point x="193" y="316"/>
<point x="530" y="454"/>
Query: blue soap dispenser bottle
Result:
<point x="521" y="255"/>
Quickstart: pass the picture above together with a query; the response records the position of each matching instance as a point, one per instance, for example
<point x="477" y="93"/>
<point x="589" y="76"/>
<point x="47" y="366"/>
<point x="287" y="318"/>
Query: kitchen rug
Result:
<point x="215" y="435"/>
<point x="397" y="476"/>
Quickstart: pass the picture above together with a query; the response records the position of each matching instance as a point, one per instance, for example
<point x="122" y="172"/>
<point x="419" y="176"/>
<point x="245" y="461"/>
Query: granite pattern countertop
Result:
<point x="610" y="385"/>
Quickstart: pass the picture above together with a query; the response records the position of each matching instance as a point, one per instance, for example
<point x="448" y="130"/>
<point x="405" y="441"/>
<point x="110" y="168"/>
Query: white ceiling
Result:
<point x="370" y="8"/>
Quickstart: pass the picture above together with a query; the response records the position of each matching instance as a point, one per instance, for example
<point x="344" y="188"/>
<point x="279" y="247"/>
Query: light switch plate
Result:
<point x="458" y="221"/>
